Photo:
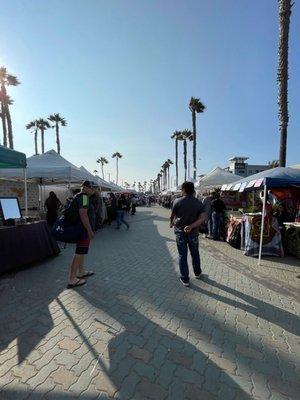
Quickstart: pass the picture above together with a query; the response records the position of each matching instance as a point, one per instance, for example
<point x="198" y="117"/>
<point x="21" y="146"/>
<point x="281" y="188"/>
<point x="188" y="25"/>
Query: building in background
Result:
<point x="239" y="166"/>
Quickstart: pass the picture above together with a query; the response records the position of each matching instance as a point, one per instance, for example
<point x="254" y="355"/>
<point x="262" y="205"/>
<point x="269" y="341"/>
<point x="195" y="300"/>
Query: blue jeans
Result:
<point x="185" y="241"/>
<point x="217" y="219"/>
<point x="120" y="218"/>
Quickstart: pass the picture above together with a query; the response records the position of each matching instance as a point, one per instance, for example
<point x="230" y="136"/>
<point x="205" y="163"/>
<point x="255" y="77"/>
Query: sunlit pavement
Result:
<point x="134" y="332"/>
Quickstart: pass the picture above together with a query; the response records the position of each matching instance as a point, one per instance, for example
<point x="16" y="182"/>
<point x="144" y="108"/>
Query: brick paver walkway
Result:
<point x="133" y="332"/>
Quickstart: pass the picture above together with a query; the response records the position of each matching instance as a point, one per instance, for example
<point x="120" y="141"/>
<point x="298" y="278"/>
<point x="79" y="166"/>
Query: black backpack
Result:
<point x="70" y="211"/>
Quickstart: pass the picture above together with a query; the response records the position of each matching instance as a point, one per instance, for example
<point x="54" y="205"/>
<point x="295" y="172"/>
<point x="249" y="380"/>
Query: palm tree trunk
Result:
<point x="185" y="158"/>
<point x="176" y="160"/>
<point x="194" y="144"/>
<point x="9" y="128"/>
<point x="117" y="160"/>
<point x="4" y="128"/>
<point x="282" y="76"/>
<point x="35" y="141"/>
<point x="43" y="140"/>
<point x="102" y="171"/>
<point x="57" y="137"/>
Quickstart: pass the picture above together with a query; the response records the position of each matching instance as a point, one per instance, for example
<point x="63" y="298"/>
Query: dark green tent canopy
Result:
<point x="11" y="158"/>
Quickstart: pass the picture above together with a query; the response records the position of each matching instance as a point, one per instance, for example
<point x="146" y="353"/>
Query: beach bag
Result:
<point x="65" y="232"/>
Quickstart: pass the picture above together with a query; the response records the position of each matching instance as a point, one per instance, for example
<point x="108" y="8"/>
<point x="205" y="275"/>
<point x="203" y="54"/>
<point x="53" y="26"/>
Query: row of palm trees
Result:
<point x="162" y="180"/>
<point x="103" y="161"/>
<point x="41" y="125"/>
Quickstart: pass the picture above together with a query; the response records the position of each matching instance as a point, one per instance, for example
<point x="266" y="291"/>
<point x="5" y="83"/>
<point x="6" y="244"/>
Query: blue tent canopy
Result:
<point x="276" y="177"/>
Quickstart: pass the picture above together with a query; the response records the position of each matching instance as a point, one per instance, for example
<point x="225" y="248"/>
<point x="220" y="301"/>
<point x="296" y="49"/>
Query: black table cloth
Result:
<point x="25" y="244"/>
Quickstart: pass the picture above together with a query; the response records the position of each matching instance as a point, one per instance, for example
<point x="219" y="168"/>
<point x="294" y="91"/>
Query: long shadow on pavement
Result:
<point x="147" y="359"/>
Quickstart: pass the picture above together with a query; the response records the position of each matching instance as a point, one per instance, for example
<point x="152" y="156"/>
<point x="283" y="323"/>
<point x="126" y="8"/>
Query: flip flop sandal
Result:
<point x="86" y="275"/>
<point x="80" y="282"/>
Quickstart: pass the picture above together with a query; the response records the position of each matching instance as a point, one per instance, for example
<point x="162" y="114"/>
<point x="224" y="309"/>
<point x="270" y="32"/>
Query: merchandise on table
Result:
<point x="272" y="243"/>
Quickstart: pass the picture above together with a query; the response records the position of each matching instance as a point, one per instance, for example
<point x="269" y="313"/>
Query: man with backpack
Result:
<point x="82" y="208"/>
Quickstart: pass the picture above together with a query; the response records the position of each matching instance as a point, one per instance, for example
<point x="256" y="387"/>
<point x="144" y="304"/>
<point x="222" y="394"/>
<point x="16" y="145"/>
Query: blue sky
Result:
<point x="122" y="72"/>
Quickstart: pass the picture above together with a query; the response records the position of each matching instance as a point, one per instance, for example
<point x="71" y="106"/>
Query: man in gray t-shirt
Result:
<point x="188" y="213"/>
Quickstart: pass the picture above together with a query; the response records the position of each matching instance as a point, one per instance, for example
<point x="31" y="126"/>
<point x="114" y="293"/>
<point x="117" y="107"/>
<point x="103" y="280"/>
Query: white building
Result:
<point x="238" y="166"/>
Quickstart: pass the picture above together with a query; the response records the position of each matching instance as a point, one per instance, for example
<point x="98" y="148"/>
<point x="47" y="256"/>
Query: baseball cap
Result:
<point x="89" y="184"/>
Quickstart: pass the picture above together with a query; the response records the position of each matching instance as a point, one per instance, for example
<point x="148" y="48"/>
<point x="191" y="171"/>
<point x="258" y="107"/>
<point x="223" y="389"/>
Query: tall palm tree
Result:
<point x="196" y="107"/>
<point x="5" y="101"/>
<point x="158" y="181"/>
<point x="57" y="120"/>
<point x="169" y="162"/>
<point x="175" y="136"/>
<point x="102" y="161"/>
<point x="117" y="155"/>
<point x="43" y="125"/>
<point x="285" y="10"/>
<point x="185" y="135"/>
<point x="34" y="125"/>
<point x="7" y="79"/>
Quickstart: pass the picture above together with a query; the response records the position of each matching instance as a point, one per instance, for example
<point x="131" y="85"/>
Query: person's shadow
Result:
<point x="288" y="321"/>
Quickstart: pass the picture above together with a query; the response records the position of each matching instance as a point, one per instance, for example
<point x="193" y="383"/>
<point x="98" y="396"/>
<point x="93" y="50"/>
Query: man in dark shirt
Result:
<point x="187" y="215"/>
<point x="217" y="207"/>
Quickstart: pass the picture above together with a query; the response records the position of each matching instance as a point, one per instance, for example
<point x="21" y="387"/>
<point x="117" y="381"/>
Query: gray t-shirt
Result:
<point x="187" y="210"/>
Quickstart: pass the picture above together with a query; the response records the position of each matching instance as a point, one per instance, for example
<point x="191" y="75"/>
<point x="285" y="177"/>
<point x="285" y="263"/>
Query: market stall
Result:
<point x="22" y="243"/>
<point x="261" y="231"/>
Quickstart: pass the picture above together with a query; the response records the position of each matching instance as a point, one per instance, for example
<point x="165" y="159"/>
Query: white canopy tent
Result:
<point x="216" y="178"/>
<point x="49" y="166"/>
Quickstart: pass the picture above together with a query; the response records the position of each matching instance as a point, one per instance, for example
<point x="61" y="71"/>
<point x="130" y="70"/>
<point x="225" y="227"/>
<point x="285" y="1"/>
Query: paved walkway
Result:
<point x="133" y="332"/>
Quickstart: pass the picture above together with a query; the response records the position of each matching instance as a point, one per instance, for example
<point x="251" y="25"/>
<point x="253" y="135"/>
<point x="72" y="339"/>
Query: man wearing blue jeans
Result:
<point x="188" y="214"/>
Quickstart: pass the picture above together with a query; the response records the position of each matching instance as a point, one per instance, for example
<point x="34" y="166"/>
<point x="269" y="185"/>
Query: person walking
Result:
<point x="207" y="206"/>
<point x="52" y="205"/>
<point x="217" y="208"/>
<point x="187" y="215"/>
<point x="121" y="209"/>
<point x="82" y="204"/>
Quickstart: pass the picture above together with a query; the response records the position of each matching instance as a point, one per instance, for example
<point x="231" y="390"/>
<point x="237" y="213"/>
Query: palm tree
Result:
<point x="273" y="164"/>
<point x="195" y="106"/>
<point x="285" y="10"/>
<point x="169" y="162"/>
<point x="57" y="120"/>
<point x="175" y="136"/>
<point x="6" y="79"/>
<point x="95" y="172"/>
<point x="102" y="161"/>
<point x="34" y="125"/>
<point x="185" y="135"/>
<point x="43" y="125"/>
<point x="5" y="101"/>
<point x="117" y="155"/>
<point x="158" y="181"/>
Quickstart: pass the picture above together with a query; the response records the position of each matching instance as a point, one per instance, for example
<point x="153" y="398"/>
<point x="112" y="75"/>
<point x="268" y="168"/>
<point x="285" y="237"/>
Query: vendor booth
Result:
<point x="262" y="231"/>
<point x="215" y="179"/>
<point x="21" y="242"/>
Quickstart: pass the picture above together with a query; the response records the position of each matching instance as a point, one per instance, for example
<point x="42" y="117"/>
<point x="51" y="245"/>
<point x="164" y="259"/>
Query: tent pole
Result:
<point x="262" y="223"/>
<point x="25" y="193"/>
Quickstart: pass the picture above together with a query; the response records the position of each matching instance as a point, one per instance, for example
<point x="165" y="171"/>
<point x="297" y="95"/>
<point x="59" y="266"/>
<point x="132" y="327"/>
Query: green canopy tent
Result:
<point x="14" y="159"/>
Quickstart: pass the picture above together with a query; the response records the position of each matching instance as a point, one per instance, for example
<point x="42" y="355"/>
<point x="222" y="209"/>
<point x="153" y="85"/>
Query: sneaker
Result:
<point x="198" y="276"/>
<point x="185" y="282"/>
